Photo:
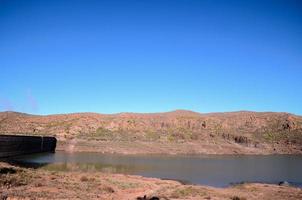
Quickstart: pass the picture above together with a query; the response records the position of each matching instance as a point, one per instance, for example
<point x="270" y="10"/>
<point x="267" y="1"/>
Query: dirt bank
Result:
<point x="169" y="148"/>
<point x="20" y="183"/>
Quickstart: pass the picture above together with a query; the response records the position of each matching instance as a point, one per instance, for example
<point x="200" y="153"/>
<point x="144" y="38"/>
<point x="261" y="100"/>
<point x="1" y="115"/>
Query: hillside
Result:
<point x="179" y="131"/>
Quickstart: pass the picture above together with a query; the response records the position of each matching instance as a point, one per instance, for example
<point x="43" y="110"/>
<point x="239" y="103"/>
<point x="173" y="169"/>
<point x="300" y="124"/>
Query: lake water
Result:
<point x="213" y="170"/>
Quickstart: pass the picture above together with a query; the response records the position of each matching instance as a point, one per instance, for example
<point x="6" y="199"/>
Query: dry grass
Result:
<point x="17" y="183"/>
<point x="186" y="192"/>
<point x="238" y="198"/>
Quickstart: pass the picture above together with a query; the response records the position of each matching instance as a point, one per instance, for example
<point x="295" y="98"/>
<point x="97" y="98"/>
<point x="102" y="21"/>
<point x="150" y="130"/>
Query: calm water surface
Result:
<point x="213" y="170"/>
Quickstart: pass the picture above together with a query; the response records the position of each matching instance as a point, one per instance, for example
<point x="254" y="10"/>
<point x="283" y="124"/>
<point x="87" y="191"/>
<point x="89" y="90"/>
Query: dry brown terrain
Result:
<point x="174" y="132"/>
<point x="20" y="183"/>
<point x="178" y="132"/>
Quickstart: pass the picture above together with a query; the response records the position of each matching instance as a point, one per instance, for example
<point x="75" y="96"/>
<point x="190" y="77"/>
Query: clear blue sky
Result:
<point x="63" y="56"/>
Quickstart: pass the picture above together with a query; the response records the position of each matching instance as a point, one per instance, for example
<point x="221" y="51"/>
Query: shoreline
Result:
<point x="23" y="183"/>
<point x="160" y="148"/>
<point x="179" y="154"/>
<point x="60" y="166"/>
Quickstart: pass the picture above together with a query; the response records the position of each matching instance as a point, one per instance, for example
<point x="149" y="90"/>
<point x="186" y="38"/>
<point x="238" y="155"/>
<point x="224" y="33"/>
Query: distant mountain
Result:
<point x="246" y="128"/>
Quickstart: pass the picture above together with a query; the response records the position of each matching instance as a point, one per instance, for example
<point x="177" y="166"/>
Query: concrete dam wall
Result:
<point x="13" y="145"/>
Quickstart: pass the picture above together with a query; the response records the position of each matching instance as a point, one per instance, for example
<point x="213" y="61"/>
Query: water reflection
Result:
<point x="214" y="170"/>
<point x="93" y="167"/>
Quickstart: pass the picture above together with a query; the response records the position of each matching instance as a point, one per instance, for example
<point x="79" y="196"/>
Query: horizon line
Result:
<point x="160" y="112"/>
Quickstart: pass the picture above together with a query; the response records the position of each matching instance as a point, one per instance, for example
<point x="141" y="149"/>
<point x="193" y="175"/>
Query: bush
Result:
<point x="84" y="179"/>
<point x="238" y="198"/>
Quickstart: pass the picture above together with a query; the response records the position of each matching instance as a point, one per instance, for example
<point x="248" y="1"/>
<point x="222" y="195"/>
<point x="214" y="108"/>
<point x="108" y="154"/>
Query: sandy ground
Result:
<point x="21" y="183"/>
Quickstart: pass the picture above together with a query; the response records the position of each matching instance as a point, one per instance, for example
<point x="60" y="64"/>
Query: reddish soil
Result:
<point x="19" y="183"/>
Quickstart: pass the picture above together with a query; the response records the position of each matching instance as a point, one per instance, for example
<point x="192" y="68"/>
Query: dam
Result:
<point x="14" y="145"/>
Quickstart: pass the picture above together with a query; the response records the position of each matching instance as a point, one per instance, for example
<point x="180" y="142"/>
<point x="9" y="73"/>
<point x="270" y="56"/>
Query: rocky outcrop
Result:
<point x="250" y="129"/>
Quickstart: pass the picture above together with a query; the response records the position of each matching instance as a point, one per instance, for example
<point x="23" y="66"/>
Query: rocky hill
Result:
<point x="280" y="132"/>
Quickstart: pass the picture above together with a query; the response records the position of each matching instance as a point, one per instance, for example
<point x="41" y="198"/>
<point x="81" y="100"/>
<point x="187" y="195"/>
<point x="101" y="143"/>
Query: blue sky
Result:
<point x="150" y="56"/>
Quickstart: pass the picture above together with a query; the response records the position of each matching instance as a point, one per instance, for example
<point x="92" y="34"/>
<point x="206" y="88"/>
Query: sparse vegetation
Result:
<point x="270" y="136"/>
<point x="152" y="135"/>
<point x="122" y="184"/>
<point x="187" y="191"/>
<point x="10" y="177"/>
<point x="84" y="179"/>
<point x="237" y="198"/>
